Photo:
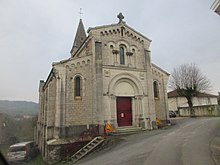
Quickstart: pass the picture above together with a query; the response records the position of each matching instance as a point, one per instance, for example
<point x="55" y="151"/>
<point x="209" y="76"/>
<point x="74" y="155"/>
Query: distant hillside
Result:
<point x="14" y="108"/>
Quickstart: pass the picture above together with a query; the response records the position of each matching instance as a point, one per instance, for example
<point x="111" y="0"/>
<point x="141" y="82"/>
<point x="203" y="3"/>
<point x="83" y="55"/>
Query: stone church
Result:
<point x="109" y="77"/>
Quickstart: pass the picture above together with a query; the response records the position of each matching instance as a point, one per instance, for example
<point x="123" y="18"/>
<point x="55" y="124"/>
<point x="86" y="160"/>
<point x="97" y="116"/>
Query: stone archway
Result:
<point x="123" y="80"/>
<point x="125" y="88"/>
<point x="124" y="91"/>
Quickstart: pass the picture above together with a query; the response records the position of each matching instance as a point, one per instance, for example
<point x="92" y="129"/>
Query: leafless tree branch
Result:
<point x="188" y="80"/>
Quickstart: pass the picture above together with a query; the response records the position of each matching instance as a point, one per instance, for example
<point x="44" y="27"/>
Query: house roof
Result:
<point x="174" y="93"/>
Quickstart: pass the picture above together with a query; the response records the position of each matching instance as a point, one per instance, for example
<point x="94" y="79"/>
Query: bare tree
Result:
<point x="188" y="80"/>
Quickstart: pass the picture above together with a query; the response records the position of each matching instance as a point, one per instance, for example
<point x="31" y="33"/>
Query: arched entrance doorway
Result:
<point x="124" y="111"/>
<point x="125" y="88"/>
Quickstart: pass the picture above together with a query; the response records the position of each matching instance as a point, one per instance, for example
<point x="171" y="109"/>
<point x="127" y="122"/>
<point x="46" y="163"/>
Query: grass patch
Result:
<point x="4" y="149"/>
<point x="36" y="161"/>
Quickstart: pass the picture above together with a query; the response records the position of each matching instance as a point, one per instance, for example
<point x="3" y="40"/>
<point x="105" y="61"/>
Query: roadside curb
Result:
<point x="215" y="148"/>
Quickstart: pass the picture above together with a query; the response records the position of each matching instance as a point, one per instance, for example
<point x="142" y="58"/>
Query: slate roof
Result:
<point x="79" y="37"/>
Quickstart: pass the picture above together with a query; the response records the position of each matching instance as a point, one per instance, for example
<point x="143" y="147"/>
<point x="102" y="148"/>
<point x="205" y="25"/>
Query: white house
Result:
<point x="204" y="104"/>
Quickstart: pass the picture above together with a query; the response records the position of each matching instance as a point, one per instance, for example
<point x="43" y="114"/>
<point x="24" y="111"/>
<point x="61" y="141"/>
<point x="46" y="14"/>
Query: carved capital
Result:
<point x="115" y="51"/>
<point x="129" y="53"/>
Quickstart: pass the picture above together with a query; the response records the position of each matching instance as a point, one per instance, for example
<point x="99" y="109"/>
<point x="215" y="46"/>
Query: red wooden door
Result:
<point x="124" y="111"/>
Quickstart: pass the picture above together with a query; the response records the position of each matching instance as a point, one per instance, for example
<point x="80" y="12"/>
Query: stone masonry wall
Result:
<point x="79" y="110"/>
<point x="136" y="65"/>
<point x="161" y="105"/>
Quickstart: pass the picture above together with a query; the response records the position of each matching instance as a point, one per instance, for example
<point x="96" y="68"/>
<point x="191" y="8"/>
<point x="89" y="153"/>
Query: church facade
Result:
<point x="108" y="78"/>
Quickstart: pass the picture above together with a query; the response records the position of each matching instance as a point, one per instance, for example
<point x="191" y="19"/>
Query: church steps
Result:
<point x="128" y="130"/>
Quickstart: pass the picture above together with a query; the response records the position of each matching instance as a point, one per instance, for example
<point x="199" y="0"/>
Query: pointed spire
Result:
<point x="79" y="37"/>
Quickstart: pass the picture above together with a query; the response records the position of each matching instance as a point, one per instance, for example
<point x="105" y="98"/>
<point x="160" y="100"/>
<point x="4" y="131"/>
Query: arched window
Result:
<point x="156" y="90"/>
<point x="122" y="56"/>
<point x="78" y="86"/>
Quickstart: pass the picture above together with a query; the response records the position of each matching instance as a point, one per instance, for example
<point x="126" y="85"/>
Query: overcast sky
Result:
<point x="35" y="33"/>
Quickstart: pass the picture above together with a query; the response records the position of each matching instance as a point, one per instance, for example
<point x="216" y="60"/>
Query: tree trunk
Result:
<point x="191" y="109"/>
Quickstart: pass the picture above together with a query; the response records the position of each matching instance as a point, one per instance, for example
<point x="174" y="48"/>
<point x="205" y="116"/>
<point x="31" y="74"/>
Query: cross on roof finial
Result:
<point x="120" y="17"/>
<point x="80" y="13"/>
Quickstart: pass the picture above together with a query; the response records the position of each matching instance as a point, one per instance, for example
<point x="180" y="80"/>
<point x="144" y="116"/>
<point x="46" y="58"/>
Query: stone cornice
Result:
<point x="128" y="29"/>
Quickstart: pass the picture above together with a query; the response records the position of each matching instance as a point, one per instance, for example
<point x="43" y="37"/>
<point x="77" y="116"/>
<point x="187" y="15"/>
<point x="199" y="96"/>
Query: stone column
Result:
<point x="58" y="108"/>
<point x="113" y="109"/>
<point x="166" y="109"/>
<point x="149" y="79"/>
<point x="115" y="54"/>
<point x="129" y="54"/>
<point x="107" y="108"/>
<point x="99" y="83"/>
<point x="134" y="112"/>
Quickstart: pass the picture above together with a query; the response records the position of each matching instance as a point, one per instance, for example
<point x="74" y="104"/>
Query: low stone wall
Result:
<point x="206" y="110"/>
<point x="63" y="152"/>
<point x="73" y="138"/>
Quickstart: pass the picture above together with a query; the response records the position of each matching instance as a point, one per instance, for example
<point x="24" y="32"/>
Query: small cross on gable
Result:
<point x="120" y="17"/>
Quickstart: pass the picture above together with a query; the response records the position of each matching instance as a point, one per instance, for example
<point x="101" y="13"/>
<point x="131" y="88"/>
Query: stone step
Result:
<point x="128" y="130"/>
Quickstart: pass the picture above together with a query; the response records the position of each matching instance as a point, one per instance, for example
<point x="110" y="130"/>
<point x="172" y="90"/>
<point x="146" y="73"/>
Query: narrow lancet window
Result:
<point x="78" y="86"/>
<point x="122" y="56"/>
<point x="156" y="90"/>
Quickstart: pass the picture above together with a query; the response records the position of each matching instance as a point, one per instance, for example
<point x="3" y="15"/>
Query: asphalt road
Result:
<point x="192" y="141"/>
